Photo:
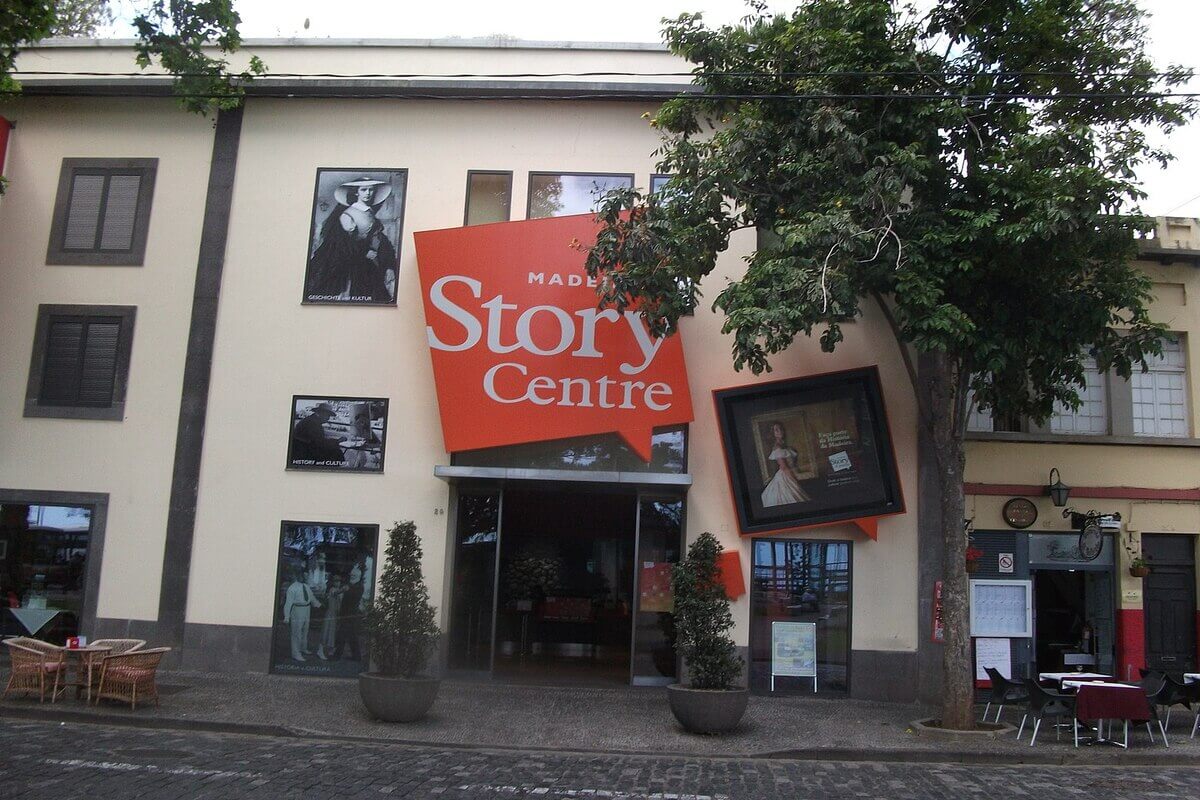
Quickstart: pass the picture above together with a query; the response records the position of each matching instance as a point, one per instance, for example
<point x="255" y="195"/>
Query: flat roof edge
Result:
<point x="267" y="87"/>
<point x="487" y="43"/>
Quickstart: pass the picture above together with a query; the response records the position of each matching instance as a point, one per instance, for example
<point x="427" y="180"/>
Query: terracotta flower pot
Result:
<point x="972" y="566"/>
<point x="1139" y="572"/>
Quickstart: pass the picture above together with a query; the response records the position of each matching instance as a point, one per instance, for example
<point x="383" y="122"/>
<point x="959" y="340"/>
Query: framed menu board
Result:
<point x="1002" y="609"/>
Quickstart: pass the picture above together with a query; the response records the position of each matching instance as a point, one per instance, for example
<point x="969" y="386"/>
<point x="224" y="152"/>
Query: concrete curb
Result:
<point x="890" y="755"/>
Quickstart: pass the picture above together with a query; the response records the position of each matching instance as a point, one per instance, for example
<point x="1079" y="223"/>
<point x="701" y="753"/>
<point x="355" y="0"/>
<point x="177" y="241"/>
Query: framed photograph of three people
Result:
<point x="809" y="451"/>
<point x="354" y="239"/>
<point x="326" y="579"/>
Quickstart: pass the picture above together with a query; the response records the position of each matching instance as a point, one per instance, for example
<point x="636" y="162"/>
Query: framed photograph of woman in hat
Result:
<point x="354" y="244"/>
<point x="340" y="434"/>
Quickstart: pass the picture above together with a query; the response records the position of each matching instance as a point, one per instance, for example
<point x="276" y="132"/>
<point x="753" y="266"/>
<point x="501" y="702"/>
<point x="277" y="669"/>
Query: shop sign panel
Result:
<point x="520" y="351"/>
<point x="1061" y="551"/>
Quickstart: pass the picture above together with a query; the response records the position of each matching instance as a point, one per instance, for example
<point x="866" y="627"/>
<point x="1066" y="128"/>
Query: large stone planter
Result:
<point x="390" y="698"/>
<point x="707" y="710"/>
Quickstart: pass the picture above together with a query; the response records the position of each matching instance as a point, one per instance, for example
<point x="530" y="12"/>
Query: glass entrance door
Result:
<point x="473" y="597"/>
<point x="660" y="540"/>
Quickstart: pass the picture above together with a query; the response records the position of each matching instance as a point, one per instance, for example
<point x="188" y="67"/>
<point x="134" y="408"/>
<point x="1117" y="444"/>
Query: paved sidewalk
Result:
<point x="615" y="720"/>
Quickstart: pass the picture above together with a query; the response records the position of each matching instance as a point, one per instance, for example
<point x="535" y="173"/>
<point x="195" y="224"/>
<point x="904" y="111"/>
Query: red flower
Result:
<point x="974" y="554"/>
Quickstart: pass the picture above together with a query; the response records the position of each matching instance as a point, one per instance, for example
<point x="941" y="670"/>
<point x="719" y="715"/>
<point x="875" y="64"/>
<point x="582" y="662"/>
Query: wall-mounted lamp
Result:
<point x="1058" y="491"/>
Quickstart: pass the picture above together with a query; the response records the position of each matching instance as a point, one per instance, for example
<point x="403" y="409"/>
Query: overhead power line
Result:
<point x="615" y="74"/>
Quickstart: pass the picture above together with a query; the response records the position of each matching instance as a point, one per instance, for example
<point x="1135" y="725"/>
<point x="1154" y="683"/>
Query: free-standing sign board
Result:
<point x="522" y="354"/>
<point x="992" y="652"/>
<point x="794" y="651"/>
<point x="809" y="451"/>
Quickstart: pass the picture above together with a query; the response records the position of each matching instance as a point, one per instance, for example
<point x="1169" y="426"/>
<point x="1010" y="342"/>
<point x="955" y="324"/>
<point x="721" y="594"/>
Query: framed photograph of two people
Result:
<point x="354" y="243"/>
<point x="338" y="434"/>
<point x="809" y="451"/>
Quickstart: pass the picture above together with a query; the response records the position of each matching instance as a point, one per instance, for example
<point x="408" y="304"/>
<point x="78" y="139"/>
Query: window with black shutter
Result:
<point x="102" y="213"/>
<point x="80" y="364"/>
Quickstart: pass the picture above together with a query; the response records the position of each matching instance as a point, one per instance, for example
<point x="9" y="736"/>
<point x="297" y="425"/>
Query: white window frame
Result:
<point x="1091" y="418"/>
<point x="1153" y="392"/>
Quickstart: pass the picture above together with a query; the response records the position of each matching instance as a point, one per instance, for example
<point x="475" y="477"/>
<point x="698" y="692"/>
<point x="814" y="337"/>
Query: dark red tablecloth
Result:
<point x="1112" y="702"/>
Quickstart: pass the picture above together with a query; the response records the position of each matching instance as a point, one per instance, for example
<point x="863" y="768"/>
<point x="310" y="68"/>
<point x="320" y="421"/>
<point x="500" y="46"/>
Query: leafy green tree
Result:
<point x="80" y="17"/>
<point x="971" y="171"/>
<point x="21" y="22"/>
<point x="401" y="624"/>
<point x="181" y="34"/>
<point x="702" y="617"/>
<point x="190" y="38"/>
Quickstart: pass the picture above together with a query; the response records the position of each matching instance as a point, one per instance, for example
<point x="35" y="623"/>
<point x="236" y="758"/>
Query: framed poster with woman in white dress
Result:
<point x="809" y="451"/>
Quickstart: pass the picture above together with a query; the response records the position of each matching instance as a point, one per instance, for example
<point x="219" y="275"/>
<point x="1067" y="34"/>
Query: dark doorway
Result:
<point x="1170" y="602"/>
<point x="565" y="594"/>
<point x="1059" y="617"/>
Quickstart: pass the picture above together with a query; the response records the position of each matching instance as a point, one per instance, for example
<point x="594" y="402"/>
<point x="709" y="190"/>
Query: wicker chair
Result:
<point x="129" y="676"/>
<point x="118" y="646"/>
<point x="115" y="648"/>
<point x="36" y="666"/>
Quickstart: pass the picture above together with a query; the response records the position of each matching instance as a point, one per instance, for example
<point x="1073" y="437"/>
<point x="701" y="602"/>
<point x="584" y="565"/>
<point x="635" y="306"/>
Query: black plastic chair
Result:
<point x="1173" y="693"/>
<point x="1191" y="693"/>
<point x="1004" y="691"/>
<point x="1042" y="703"/>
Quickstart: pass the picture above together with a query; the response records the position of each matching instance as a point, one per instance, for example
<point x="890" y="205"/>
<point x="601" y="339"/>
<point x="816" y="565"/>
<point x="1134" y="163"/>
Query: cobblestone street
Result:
<point x="45" y="759"/>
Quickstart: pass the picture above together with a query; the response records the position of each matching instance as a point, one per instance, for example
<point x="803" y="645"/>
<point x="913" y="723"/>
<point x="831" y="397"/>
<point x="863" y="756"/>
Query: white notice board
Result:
<point x="992" y="652"/>
<point x="794" y="651"/>
<point x="1002" y="608"/>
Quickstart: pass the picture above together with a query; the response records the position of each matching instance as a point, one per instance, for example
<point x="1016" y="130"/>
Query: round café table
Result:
<point x="87" y="660"/>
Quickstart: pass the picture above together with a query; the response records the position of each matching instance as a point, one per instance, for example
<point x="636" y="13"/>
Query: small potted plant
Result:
<point x="973" y="556"/>
<point x="711" y="702"/>
<point x="1138" y="567"/>
<point x="402" y="631"/>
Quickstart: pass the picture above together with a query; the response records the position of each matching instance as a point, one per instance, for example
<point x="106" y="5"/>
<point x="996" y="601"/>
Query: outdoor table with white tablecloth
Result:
<point x="1059" y="677"/>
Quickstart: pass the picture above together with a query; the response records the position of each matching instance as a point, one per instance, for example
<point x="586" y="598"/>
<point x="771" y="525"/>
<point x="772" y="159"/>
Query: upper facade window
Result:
<point x="1091" y="418"/>
<point x="80" y="364"/>
<point x="1160" y="396"/>
<point x="102" y="212"/>
<point x="560" y="194"/>
<point x="489" y="197"/>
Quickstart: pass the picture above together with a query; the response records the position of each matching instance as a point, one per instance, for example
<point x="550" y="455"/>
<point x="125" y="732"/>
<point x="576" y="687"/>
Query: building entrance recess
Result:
<point x="564" y="585"/>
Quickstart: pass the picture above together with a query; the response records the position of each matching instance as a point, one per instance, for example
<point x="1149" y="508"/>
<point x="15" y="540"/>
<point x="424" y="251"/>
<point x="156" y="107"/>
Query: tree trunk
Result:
<point x="946" y="421"/>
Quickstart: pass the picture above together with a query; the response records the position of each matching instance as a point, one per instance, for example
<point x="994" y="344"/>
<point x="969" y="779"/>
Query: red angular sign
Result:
<point x="521" y="352"/>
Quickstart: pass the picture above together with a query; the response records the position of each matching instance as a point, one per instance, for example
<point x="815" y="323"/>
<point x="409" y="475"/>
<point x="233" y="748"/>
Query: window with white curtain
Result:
<point x="1091" y="418"/>
<point x="1160" y="395"/>
<point x="977" y="419"/>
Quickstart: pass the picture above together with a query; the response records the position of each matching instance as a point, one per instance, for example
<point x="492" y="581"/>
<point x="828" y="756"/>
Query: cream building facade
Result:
<point x="179" y="484"/>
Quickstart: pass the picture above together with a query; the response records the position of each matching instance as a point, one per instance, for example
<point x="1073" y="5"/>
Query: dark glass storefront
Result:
<point x="43" y="563"/>
<point x="801" y="581"/>
<point x="564" y="583"/>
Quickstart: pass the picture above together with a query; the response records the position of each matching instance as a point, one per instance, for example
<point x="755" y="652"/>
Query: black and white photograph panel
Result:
<point x="326" y="581"/>
<point x="344" y="434"/>
<point x="354" y="246"/>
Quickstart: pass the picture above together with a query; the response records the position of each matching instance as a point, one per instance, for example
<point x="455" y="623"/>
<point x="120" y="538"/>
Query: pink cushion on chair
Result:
<point x="130" y="673"/>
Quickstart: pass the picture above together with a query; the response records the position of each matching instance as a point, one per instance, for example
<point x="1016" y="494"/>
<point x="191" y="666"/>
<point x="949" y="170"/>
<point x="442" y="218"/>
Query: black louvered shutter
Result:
<point x="81" y="361"/>
<point x="102" y="211"/>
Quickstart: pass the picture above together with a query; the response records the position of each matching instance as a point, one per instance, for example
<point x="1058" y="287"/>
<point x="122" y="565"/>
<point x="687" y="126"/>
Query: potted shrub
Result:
<point x="401" y="632"/>
<point x="710" y="702"/>
<point x="1138" y="567"/>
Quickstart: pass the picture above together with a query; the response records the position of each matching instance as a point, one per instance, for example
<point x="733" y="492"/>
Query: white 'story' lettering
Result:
<point x="585" y="331"/>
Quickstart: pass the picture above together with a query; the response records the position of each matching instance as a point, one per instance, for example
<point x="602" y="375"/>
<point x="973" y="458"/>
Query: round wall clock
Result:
<point x="1020" y="512"/>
